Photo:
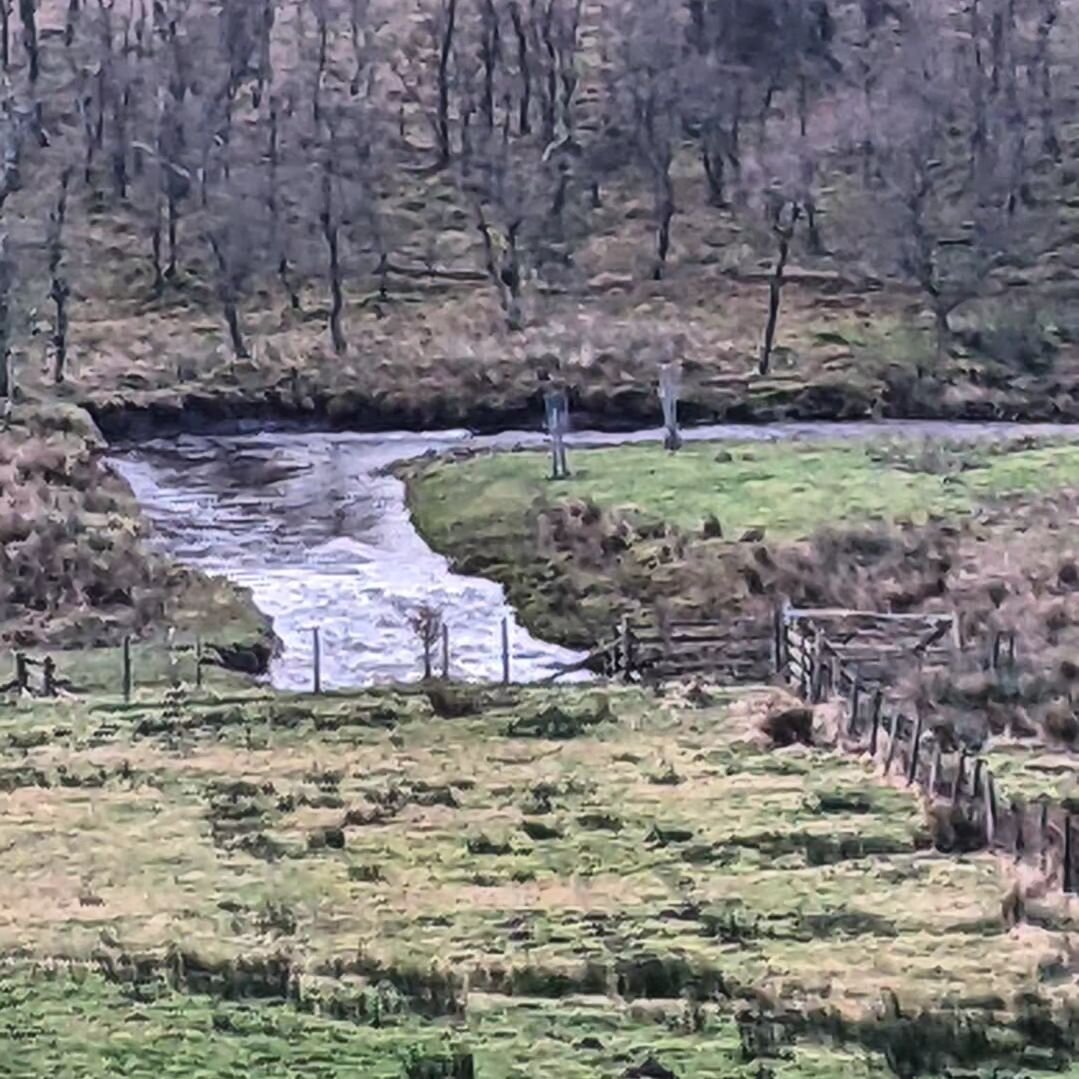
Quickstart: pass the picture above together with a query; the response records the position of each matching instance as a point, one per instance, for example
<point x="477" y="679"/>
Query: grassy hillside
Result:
<point x="428" y="344"/>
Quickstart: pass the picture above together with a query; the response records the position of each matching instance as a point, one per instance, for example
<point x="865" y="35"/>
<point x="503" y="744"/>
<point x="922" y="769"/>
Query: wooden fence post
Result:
<point x="1045" y="835"/>
<point x="915" y="748"/>
<point x="1020" y="838"/>
<point x="818" y="668"/>
<point x="990" y="810"/>
<point x="778" y="635"/>
<point x="170" y="645"/>
<point x="976" y="778"/>
<point x="198" y="662"/>
<point x="505" y="651"/>
<point x="855" y="701"/>
<point x="1068" y="883"/>
<point x="1011" y="649"/>
<point x="625" y="637"/>
<point x="874" y="731"/>
<point x="445" y="652"/>
<point x="893" y="741"/>
<point x="960" y="768"/>
<point x="316" y="645"/>
<point x="128" y="680"/>
<point x="934" y="771"/>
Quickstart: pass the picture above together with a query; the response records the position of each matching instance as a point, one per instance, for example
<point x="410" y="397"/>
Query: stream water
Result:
<point x="314" y="527"/>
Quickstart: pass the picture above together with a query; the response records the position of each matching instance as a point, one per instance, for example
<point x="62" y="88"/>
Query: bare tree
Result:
<point x="785" y="215"/>
<point x="651" y="53"/>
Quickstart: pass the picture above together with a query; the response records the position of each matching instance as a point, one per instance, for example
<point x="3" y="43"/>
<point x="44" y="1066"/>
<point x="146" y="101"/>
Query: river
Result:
<point x="316" y="528"/>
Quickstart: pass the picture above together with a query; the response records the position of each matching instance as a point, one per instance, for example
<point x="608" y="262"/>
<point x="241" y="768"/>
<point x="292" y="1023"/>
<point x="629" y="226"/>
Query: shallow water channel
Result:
<point x="313" y="526"/>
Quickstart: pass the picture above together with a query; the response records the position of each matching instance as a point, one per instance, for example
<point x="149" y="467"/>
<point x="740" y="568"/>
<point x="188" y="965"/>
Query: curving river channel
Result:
<point x="321" y="535"/>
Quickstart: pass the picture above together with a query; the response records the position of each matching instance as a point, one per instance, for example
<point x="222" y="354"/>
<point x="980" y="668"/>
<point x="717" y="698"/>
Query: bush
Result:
<point x="1017" y="340"/>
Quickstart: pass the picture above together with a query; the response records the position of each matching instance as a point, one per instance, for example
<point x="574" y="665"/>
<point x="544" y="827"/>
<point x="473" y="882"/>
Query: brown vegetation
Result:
<point x="75" y="568"/>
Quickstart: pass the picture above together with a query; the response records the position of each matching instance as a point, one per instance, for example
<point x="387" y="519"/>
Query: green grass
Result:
<point x="790" y="489"/>
<point x="80" y="1026"/>
<point x="575" y="893"/>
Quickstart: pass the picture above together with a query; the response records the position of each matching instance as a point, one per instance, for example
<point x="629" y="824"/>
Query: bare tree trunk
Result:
<point x="490" y="54"/>
<point x="320" y="68"/>
<point x="1050" y="10"/>
<point x="664" y="215"/>
<point x="158" y="287"/>
<point x="59" y="290"/>
<point x="550" y="90"/>
<point x="7" y="274"/>
<point x="28" y="15"/>
<point x="504" y="269"/>
<point x="943" y="329"/>
<point x="71" y="22"/>
<point x="119" y="143"/>
<point x="279" y="229"/>
<point x="174" y="229"/>
<point x="714" y="173"/>
<point x="226" y="293"/>
<point x="524" y="120"/>
<point x="442" y="121"/>
<point x="5" y="33"/>
<point x="784" y="231"/>
<point x="331" y="234"/>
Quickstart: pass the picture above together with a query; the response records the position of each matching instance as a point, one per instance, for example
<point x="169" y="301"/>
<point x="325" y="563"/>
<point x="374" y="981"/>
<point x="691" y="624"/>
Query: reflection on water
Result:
<point x="307" y="521"/>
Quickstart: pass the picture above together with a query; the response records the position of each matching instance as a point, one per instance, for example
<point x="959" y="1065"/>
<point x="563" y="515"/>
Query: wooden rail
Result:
<point x="900" y="737"/>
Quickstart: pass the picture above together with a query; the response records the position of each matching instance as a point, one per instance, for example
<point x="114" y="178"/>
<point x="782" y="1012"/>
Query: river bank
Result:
<point x="78" y="572"/>
<point x="724" y="532"/>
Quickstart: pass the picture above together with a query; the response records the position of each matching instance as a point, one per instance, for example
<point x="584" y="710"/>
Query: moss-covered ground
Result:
<point x="559" y="881"/>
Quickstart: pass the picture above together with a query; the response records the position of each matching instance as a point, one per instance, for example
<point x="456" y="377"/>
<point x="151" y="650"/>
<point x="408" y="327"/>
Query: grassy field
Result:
<point x="788" y="489"/>
<point x="560" y="882"/>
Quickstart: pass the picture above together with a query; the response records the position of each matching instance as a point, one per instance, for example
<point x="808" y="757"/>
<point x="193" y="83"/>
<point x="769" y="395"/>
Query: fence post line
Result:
<point x="1011" y="649"/>
<point x="505" y="651"/>
<point x="1020" y="838"/>
<point x="778" y="634"/>
<point x="994" y="659"/>
<point x="915" y="748"/>
<point x="198" y="662"/>
<point x="1068" y="883"/>
<point x="128" y="680"/>
<point x="445" y="652"/>
<point x="316" y="654"/>
<point x="990" y="810"/>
